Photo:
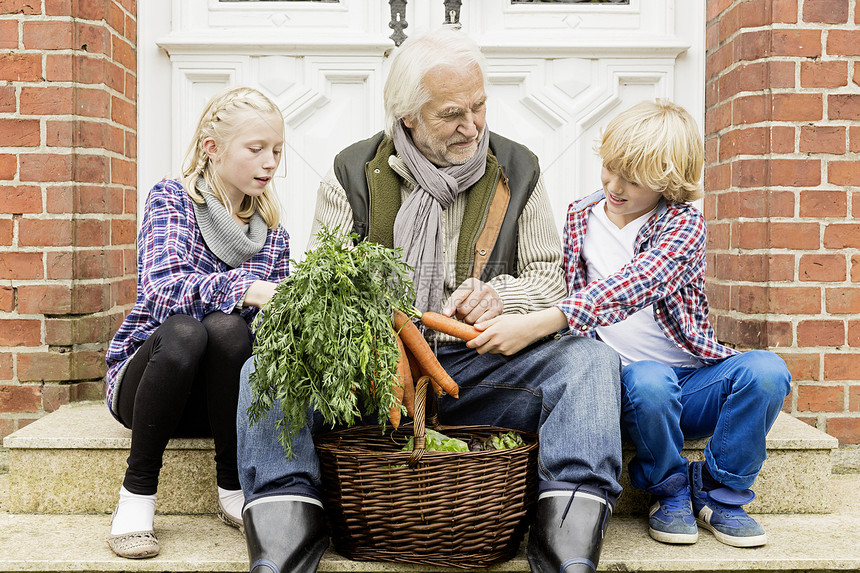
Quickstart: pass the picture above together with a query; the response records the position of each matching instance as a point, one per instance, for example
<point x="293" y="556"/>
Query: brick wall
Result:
<point x="67" y="197"/>
<point x="782" y="179"/>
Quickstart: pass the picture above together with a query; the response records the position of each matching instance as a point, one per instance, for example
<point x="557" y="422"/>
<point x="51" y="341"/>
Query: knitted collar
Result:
<point x="232" y="243"/>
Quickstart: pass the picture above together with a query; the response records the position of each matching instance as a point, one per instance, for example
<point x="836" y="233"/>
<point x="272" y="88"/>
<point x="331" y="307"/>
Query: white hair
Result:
<point x="404" y="92"/>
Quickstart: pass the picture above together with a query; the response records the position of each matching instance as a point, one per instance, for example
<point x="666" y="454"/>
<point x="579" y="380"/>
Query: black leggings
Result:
<point x="184" y="382"/>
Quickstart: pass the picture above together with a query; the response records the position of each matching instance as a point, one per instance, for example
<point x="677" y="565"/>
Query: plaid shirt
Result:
<point x="667" y="271"/>
<point x="178" y="274"/>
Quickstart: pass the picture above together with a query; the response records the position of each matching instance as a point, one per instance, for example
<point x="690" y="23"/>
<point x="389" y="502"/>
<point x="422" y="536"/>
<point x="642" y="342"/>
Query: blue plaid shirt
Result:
<point x="178" y="274"/>
<point x="667" y="271"/>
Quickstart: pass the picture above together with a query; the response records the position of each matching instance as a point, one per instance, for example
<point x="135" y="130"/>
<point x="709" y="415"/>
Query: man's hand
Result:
<point x="473" y="301"/>
<point x="510" y="333"/>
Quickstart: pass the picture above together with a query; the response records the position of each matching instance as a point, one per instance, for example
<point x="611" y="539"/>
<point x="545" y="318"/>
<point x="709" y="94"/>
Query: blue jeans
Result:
<point x="566" y="390"/>
<point x="735" y="401"/>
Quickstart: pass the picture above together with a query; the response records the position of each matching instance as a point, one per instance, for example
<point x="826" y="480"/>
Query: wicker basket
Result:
<point x="445" y="509"/>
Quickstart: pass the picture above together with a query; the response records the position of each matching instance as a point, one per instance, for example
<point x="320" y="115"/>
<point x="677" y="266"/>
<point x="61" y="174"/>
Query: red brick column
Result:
<point x="67" y="197"/>
<point x="781" y="179"/>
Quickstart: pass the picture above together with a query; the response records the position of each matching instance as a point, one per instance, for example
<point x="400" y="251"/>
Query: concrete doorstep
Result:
<point x="73" y="460"/>
<point x="76" y="542"/>
<point x="66" y="468"/>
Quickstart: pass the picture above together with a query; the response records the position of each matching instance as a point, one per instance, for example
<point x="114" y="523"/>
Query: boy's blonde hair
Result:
<point x="656" y="144"/>
<point x="221" y="120"/>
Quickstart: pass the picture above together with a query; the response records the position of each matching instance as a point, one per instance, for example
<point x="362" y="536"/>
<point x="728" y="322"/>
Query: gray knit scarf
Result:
<point x="232" y="243"/>
<point x="418" y="225"/>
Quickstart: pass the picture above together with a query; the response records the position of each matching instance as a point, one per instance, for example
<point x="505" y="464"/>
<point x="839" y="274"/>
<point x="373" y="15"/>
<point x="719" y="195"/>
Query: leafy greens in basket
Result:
<point x="438" y="442"/>
<point x="325" y="339"/>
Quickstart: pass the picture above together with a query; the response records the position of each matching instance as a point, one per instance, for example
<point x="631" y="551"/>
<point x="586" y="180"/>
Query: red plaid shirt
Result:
<point x="667" y="271"/>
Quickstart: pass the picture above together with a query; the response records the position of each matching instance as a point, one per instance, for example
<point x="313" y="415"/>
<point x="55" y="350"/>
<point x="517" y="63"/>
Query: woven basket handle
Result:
<point x="418" y="421"/>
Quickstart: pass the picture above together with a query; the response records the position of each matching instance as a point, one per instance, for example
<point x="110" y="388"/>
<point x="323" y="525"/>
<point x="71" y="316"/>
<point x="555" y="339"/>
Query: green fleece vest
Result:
<point x="373" y="191"/>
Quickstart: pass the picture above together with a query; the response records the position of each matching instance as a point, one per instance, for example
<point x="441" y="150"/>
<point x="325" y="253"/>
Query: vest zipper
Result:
<point x="369" y="200"/>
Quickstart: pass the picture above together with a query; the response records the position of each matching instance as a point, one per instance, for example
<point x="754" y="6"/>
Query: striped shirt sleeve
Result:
<point x="332" y="208"/>
<point x="540" y="281"/>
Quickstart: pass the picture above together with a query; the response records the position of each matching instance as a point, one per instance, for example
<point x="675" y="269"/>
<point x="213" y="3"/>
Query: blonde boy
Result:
<point x="635" y="261"/>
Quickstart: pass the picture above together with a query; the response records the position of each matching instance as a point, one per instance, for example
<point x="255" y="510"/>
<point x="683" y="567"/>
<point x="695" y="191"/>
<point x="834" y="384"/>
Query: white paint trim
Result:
<point x="155" y="153"/>
<point x="306" y="44"/>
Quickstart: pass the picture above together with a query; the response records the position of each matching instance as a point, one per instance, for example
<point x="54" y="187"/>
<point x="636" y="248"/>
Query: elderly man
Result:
<point x="470" y="211"/>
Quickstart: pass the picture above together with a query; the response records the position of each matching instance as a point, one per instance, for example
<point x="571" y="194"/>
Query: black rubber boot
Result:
<point x="567" y="535"/>
<point x="285" y="535"/>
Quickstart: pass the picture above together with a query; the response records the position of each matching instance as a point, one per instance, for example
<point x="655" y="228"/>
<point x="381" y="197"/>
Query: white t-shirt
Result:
<point x="605" y="250"/>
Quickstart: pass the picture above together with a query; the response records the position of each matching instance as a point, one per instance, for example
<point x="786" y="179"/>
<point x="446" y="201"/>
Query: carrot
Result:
<point x="436" y="388"/>
<point x="404" y="377"/>
<point x="409" y="389"/>
<point x="417" y="373"/>
<point x="446" y="325"/>
<point x="414" y="341"/>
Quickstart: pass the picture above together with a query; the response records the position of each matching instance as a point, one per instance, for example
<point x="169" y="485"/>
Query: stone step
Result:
<point x="200" y="543"/>
<point x="73" y="461"/>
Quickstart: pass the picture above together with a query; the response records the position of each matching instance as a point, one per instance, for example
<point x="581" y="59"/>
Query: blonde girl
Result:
<point x="210" y="254"/>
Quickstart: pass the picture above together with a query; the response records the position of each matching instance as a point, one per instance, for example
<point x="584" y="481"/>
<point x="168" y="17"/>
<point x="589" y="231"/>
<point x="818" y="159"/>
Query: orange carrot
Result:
<point x="417" y="373"/>
<point x="436" y="388"/>
<point x="398" y="386"/>
<point x="447" y="325"/>
<point x="414" y="341"/>
<point x="409" y="389"/>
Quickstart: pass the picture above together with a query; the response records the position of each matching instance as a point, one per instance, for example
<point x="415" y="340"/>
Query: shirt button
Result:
<point x="482" y="252"/>
<point x="376" y="170"/>
<point x="657" y="311"/>
<point x="583" y="328"/>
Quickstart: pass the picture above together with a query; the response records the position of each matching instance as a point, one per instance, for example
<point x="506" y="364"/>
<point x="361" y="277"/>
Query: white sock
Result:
<point x="232" y="501"/>
<point x="133" y="513"/>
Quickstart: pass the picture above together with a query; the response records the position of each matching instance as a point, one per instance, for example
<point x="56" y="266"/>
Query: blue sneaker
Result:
<point x="719" y="510"/>
<point x="671" y="517"/>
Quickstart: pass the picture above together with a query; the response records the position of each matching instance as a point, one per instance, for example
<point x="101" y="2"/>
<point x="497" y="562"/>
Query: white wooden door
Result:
<point x="557" y="73"/>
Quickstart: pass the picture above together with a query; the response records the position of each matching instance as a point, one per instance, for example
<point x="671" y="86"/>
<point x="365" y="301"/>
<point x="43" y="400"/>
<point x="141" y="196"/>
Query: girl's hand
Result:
<point x="259" y="293"/>
<point x="510" y="333"/>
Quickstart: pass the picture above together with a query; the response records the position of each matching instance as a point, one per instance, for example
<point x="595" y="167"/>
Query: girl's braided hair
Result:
<point x="222" y="119"/>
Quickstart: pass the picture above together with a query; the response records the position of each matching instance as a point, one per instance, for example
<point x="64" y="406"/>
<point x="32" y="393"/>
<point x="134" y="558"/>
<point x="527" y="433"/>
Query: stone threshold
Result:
<point x="47" y="543"/>
<point x="73" y="460"/>
<point x="88" y="425"/>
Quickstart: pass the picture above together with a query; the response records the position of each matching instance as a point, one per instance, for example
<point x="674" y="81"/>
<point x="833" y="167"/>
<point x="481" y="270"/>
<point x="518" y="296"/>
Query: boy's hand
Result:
<point x="510" y="333"/>
<point x="473" y="301"/>
<point x="506" y="334"/>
